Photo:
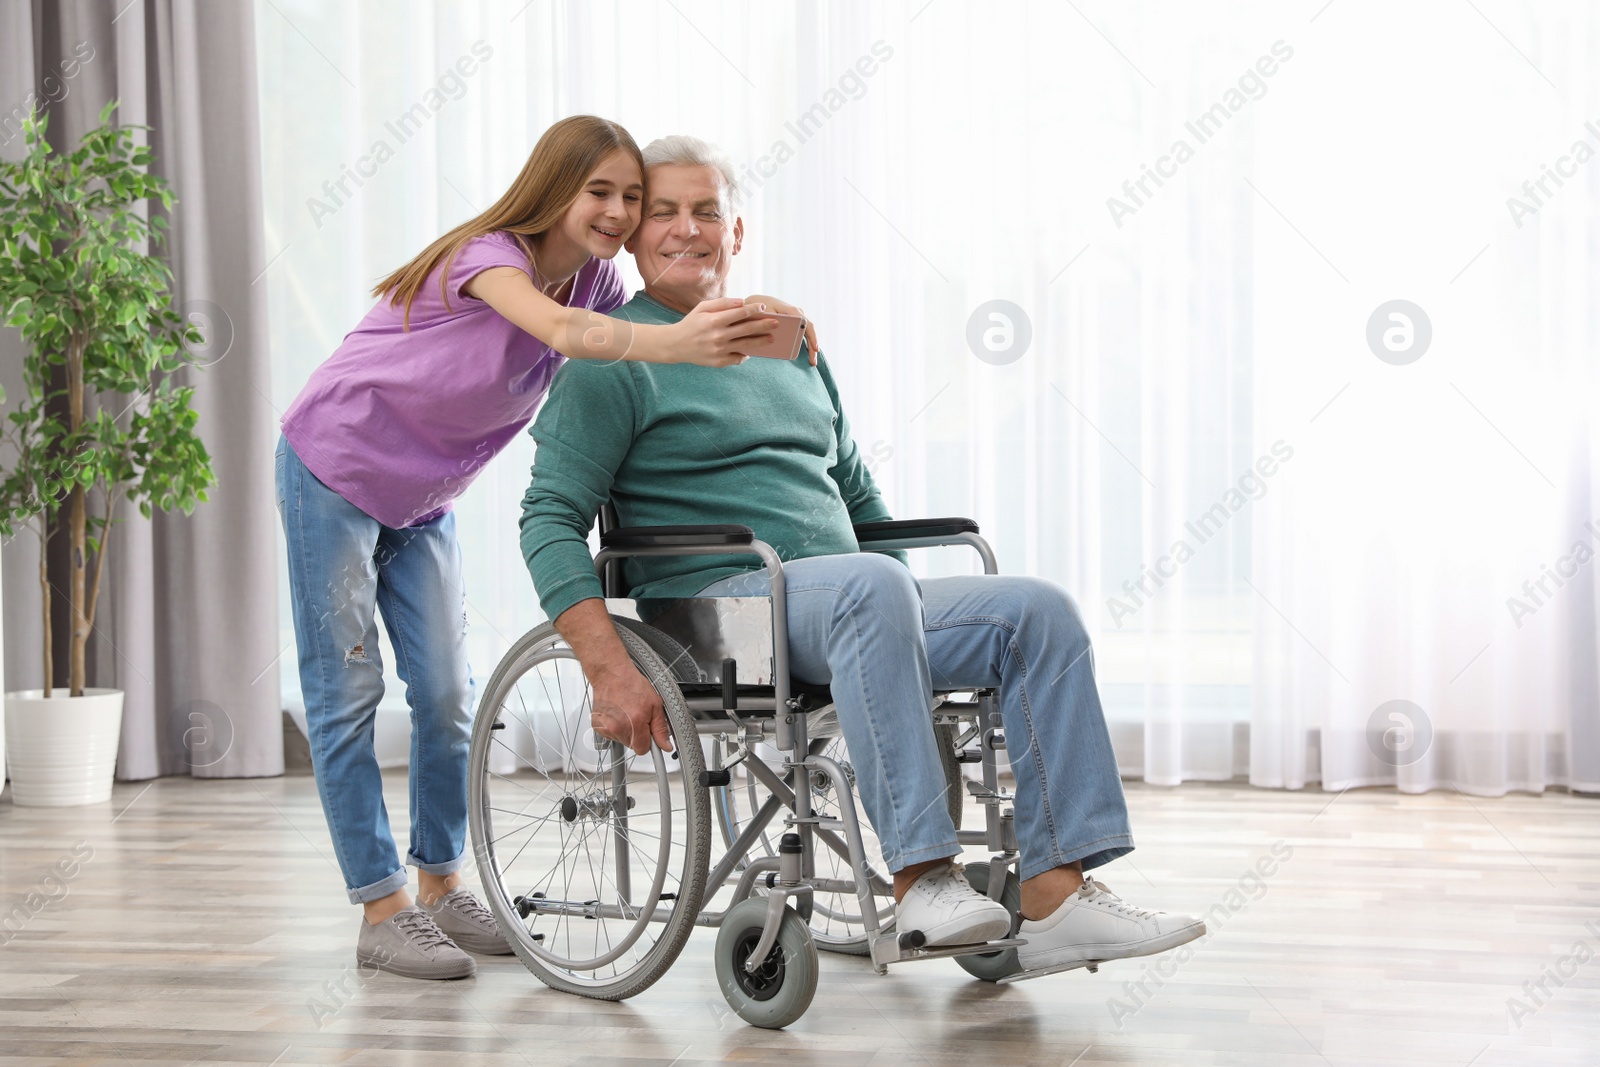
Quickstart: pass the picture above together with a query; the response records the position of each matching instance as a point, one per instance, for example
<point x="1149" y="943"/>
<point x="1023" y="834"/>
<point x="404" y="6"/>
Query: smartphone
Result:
<point x="786" y="338"/>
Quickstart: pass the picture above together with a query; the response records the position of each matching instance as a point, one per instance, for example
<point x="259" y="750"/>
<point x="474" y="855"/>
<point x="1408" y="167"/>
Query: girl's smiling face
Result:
<point x="607" y="210"/>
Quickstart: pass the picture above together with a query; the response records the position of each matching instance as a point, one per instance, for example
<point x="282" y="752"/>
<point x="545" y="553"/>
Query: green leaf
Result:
<point x="82" y="285"/>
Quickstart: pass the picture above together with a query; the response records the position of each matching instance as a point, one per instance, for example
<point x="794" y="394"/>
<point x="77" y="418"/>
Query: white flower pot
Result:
<point x="62" y="750"/>
<point x="2" y="706"/>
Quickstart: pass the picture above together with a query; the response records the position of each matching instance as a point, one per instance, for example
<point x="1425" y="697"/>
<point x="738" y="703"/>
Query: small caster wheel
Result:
<point x="779" y="991"/>
<point x="993" y="966"/>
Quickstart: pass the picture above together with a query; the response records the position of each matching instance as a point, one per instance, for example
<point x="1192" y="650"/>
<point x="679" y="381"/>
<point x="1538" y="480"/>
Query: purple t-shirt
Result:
<point x="400" y="423"/>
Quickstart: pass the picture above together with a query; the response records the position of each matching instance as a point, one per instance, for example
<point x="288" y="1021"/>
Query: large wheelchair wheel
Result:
<point x="836" y="917"/>
<point x="593" y="860"/>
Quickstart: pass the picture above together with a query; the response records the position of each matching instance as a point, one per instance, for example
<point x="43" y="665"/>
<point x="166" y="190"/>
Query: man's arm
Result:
<point x="624" y="707"/>
<point x="856" y="486"/>
<point x="849" y="473"/>
<point x="584" y="432"/>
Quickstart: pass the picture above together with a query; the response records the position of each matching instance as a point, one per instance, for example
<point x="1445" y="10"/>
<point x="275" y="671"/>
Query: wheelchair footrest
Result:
<point x="897" y="948"/>
<point x="981" y="793"/>
<point x="1040" y="972"/>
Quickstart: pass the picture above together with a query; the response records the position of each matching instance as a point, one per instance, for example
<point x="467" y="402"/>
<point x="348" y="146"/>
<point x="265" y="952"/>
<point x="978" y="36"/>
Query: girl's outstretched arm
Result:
<point x="714" y="334"/>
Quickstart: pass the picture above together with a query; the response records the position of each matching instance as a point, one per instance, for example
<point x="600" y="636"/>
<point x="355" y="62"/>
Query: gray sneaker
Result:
<point x="410" y="944"/>
<point x="465" y="920"/>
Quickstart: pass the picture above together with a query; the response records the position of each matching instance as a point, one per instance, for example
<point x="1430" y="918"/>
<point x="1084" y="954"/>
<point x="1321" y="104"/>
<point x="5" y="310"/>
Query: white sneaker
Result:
<point x="1094" y="924"/>
<point x="949" y="911"/>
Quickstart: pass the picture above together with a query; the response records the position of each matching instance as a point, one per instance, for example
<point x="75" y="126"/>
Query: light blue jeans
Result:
<point x="883" y="642"/>
<point x="343" y="564"/>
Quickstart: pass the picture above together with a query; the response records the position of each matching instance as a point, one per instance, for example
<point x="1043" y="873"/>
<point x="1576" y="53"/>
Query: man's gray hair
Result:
<point x="682" y="150"/>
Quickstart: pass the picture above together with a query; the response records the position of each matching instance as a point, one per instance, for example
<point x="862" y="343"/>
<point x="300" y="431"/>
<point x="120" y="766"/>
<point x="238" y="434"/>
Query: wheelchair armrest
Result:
<point x="629" y="537"/>
<point x="903" y="529"/>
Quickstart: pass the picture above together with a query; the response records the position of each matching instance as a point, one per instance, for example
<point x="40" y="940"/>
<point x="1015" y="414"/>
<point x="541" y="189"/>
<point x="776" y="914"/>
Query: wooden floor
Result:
<point x="205" y="922"/>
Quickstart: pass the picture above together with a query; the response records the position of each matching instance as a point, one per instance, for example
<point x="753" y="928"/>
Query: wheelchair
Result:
<point x="597" y="862"/>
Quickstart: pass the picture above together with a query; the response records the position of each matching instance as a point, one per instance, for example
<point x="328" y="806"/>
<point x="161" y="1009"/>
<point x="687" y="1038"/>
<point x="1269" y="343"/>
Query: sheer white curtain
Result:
<point x="1431" y="492"/>
<point x="1190" y="216"/>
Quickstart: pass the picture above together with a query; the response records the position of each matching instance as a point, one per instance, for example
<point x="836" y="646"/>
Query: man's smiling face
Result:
<point x="688" y="236"/>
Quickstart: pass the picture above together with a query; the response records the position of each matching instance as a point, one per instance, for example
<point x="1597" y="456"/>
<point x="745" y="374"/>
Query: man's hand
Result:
<point x="624" y="707"/>
<point x="627" y="708"/>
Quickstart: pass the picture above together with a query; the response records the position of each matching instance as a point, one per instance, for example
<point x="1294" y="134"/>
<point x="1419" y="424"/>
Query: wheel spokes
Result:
<point x="568" y="877"/>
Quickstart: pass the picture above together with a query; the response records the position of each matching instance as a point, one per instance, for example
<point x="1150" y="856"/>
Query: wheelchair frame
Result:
<point x="789" y="877"/>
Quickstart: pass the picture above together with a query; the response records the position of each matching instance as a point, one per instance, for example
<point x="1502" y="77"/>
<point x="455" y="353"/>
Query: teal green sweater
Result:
<point x="764" y="444"/>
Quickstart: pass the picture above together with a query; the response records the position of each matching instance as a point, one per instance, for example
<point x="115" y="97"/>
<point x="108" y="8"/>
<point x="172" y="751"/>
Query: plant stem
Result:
<point x="100" y="557"/>
<point x="76" y="521"/>
<point x="44" y="593"/>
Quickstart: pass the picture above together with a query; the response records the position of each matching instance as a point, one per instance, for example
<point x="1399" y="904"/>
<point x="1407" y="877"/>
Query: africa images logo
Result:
<point x="1251" y="86"/>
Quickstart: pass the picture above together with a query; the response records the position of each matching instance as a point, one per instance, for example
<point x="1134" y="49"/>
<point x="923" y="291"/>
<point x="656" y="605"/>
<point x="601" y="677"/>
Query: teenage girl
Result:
<point x="436" y="379"/>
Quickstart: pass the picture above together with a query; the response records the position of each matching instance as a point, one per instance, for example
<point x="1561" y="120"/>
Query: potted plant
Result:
<point x="20" y="515"/>
<point x="104" y="424"/>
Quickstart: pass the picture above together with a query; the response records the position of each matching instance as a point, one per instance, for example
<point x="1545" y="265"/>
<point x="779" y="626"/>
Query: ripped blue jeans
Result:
<point x="344" y="564"/>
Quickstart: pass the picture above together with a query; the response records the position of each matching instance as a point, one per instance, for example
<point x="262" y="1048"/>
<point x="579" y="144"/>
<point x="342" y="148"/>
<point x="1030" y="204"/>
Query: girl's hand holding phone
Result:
<point x="772" y="303"/>
<point x="717" y="332"/>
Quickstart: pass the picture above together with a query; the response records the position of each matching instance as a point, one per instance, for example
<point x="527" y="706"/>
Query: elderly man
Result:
<point x="766" y="444"/>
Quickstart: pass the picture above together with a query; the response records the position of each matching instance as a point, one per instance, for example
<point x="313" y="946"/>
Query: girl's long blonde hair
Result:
<point x="551" y="180"/>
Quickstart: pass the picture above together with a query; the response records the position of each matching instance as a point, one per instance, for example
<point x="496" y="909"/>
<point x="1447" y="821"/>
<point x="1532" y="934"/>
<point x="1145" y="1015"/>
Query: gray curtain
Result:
<point x="187" y="624"/>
